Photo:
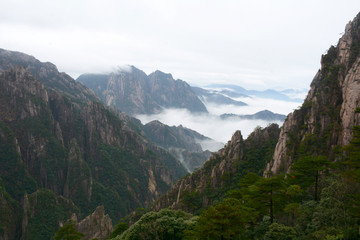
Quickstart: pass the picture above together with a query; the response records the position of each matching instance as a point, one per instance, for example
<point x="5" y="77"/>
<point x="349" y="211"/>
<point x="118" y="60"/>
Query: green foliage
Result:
<point x="330" y="215"/>
<point x="119" y="229"/>
<point x="192" y="200"/>
<point x="307" y="171"/>
<point x="353" y="151"/>
<point x="165" y="224"/>
<point x="12" y="170"/>
<point x="266" y="195"/>
<point x="227" y="220"/>
<point x="110" y="199"/>
<point x="68" y="232"/>
<point x="259" y="150"/>
<point x="280" y="232"/>
<point x="10" y="214"/>
<point x="47" y="210"/>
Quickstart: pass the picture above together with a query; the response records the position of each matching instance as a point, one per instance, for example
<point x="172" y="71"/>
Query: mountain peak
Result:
<point x="133" y="92"/>
<point x="161" y="75"/>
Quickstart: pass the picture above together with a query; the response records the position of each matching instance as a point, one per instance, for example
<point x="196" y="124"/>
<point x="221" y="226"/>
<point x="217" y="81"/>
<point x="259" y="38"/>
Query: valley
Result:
<point x="126" y="154"/>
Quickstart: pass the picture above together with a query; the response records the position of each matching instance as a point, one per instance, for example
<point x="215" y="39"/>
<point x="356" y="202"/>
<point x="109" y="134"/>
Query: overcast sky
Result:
<point x="256" y="44"/>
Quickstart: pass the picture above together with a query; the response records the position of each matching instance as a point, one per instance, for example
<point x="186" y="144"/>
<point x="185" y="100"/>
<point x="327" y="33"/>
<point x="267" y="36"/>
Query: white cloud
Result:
<point x="209" y="125"/>
<point x="254" y="43"/>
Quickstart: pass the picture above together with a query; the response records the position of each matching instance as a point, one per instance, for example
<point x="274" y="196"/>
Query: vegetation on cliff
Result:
<point x="66" y="153"/>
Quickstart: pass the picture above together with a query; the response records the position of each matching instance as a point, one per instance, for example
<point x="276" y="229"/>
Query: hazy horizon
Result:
<point x="254" y="44"/>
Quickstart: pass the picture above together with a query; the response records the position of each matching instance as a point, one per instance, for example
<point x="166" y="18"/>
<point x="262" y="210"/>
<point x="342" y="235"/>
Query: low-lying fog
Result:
<point x="221" y="130"/>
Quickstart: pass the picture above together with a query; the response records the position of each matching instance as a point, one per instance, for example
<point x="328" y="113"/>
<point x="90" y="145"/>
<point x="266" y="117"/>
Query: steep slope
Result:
<point x="179" y="137"/>
<point x="222" y="171"/>
<point x="75" y="148"/>
<point x="133" y="92"/>
<point x="325" y="120"/>
<point x="183" y="143"/>
<point x="48" y="74"/>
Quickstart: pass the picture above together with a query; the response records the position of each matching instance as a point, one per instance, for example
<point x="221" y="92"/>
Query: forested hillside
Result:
<point x="63" y="152"/>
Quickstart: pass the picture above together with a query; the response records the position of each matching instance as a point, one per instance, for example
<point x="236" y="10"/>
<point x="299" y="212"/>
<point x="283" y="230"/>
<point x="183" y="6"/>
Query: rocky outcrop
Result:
<point x="210" y="175"/>
<point x="133" y="92"/>
<point x="223" y="169"/>
<point x="330" y="110"/>
<point x="48" y="74"/>
<point x="95" y="226"/>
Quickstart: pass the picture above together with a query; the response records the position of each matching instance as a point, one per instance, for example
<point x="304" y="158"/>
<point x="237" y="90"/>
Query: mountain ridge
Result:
<point x="329" y="111"/>
<point x="68" y="153"/>
<point x="134" y="92"/>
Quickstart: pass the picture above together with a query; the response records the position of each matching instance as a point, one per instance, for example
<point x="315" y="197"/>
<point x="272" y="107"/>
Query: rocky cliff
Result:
<point x="56" y="135"/>
<point x="222" y="171"/>
<point x="48" y="74"/>
<point x="133" y="92"/>
<point x="325" y="120"/>
<point x="95" y="226"/>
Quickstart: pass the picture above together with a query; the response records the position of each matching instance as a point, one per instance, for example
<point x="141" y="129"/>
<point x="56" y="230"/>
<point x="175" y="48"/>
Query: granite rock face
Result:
<point x="331" y="108"/>
<point x="48" y="74"/>
<point x="134" y="92"/>
<point x="96" y="225"/>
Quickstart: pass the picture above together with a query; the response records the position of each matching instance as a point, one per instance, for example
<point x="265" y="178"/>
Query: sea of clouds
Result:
<point x="211" y="125"/>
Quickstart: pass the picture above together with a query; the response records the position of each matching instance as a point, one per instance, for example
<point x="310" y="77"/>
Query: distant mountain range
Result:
<point x="262" y="115"/>
<point x="237" y="91"/>
<point x="134" y="92"/>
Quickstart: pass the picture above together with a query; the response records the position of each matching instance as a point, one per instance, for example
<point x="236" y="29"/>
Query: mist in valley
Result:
<point x="221" y="129"/>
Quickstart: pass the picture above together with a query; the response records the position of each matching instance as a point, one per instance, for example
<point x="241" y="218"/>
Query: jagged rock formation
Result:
<point x="133" y="92"/>
<point x="48" y="74"/>
<point x="222" y="170"/>
<point x="331" y="109"/>
<point x="56" y="135"/>
<point x="95" y="226"/>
